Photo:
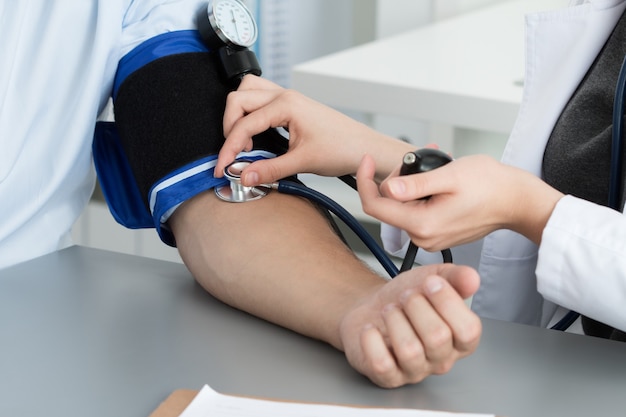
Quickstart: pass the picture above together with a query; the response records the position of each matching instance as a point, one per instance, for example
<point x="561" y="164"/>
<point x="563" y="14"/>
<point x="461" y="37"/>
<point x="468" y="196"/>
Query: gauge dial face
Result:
<point x="233" y="22"/>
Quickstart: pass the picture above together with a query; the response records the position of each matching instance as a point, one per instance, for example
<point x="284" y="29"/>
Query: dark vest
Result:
<point x="577" y="157"/>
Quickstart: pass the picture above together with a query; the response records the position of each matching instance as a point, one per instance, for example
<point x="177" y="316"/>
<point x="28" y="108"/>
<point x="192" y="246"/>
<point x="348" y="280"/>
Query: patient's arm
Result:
<point x="276" y="257"/>
<point x="279" y="259"/>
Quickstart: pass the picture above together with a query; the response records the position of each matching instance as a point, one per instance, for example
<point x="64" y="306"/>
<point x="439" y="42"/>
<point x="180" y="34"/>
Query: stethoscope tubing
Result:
<point x="293" y="188"/>
<point x="617" y="142"/>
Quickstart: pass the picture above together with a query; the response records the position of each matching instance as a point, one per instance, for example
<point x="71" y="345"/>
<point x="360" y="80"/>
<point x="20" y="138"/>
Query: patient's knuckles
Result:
<point x="443" y="367"/>
<point x="438" y="338"/>
<point x="409" y="352"/>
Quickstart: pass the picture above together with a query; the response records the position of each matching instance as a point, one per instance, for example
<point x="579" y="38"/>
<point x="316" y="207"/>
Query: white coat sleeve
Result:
<point x="582" y="260"/>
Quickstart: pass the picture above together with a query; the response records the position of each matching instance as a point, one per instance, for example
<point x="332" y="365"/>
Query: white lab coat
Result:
<point x="581" y="263"/>
<point x="57" y="64"/>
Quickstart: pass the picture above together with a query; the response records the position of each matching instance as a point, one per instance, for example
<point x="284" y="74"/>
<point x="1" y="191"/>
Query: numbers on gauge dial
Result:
<point x="235" y="22"/>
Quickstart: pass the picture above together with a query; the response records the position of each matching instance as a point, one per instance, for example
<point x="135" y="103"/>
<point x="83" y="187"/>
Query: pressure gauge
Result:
<point x="227" y="22"/>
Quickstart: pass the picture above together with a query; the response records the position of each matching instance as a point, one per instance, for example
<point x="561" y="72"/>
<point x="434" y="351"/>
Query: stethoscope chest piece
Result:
<point x="235" y="192"/>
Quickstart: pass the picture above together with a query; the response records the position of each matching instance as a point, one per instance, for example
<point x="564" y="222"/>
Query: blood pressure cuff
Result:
<point x="169" y="98"/>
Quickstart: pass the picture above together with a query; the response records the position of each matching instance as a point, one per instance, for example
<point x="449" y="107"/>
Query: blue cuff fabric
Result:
<point x="169" y="43"/>
<point x="116" y="179"/>
<point x="124" y="198"/>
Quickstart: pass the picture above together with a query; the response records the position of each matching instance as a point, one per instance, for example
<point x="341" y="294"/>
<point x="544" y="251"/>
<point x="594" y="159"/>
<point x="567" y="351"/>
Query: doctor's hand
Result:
<point x="414" y="326"/>
<point x="468" y="198"/>
<point x="321" y="140"/>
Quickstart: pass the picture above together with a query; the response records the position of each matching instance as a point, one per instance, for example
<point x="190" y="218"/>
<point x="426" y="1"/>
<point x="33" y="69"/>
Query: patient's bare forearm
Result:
<point x="277" y="258"/>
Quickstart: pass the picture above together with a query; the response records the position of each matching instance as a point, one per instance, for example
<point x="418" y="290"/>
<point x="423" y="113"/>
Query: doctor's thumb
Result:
<point x="265" y="171"/>
<point x="395" y="188"/>
<point x="407" y="188"/>
<point x="411" y="187"/>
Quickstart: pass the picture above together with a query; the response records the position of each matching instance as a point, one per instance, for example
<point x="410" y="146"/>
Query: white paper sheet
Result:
<point x="211" y="403"/>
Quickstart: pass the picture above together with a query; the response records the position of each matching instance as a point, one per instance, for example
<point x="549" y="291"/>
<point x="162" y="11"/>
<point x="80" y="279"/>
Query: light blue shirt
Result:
<point x="57" y="64"/>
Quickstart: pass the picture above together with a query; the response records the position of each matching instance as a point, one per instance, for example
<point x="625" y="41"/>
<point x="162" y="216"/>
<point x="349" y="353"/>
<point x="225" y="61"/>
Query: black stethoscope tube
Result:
<point x="617" y="145"/>
<point x="411" y="253"/>
<point x="293" y="188"/>
<point x="289" y="187"/>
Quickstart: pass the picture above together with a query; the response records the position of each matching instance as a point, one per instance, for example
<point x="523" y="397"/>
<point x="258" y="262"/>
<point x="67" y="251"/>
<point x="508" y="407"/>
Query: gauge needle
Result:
<point x="232" y="13"/>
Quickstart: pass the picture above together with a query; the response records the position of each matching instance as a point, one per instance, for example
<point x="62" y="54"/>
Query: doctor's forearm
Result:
<point x="387" y="151"/>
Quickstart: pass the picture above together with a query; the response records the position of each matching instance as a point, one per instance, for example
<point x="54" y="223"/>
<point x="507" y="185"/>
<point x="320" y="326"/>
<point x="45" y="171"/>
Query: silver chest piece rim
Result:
<point x="234" y="192"/>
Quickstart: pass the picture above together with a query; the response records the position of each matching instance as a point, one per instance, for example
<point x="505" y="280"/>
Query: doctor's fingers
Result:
<point x="425" y="224"/>
<point x="371" y="192"/>
<point x="247" y="114"/>
<point x="243" y="102"/>
<point x="442" y="180"/>
<point x="382" y="208"/>
<point x="266" y="171"/>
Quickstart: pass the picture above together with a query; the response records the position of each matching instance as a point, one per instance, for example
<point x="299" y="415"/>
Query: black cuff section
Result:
<point x="170" y="113"/>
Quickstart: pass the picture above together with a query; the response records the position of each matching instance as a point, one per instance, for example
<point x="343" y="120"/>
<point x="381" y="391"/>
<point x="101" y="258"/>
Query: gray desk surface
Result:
<point x="92" y="333"/>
